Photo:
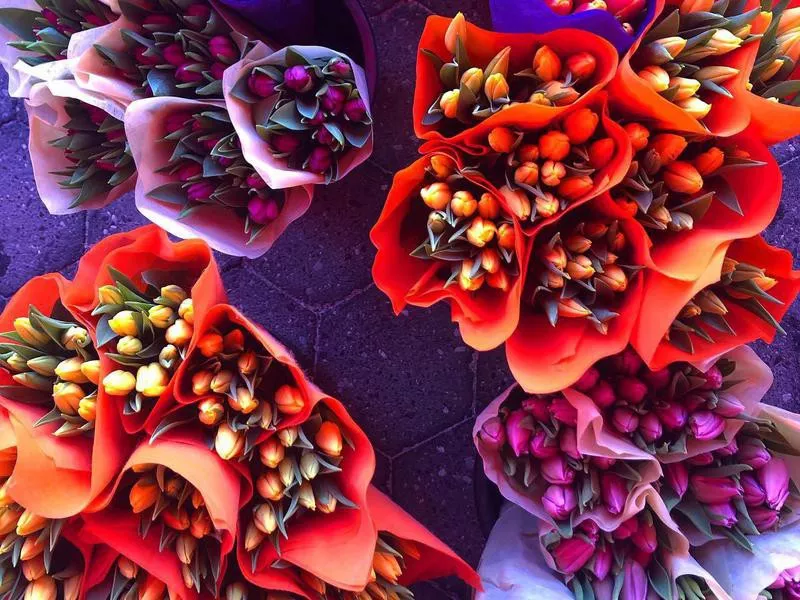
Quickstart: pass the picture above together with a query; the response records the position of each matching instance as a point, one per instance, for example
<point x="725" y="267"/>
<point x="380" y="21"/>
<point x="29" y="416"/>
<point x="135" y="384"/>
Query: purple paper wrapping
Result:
<point x="534" y="16"/>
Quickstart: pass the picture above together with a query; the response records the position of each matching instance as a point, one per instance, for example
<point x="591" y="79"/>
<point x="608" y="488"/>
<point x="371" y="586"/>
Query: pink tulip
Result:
<point x="626" y="529"/>
<point x="763" y="518"/>
<point x="657" y="380"/>
<point x="518" y="432"/>
<point x="297" y="79"/>
<point x="672" y="415"/>
<point x="568" y="442"/>
<point x="559" y="501"/>
<point x="572" y="554"/>
<point x="602" y="394"/>
<point x="260" y="84"/>
<point x="601" y="563"/>
<point x="722" y="514"/>
<point x="634" y="584"/>
<point x="752" y="452"/>
<point x="650" y="427"/>
<point x="262" y="210"/>
<point x="614" y="490"/>
<point x="355" y="110"/>
<point x="604" y="463"/>
<point x="628" y="362"/>
<point x="556" y="470"/>
<point x="677" y="477"/>
<point x="587" y="380"/>
<point x="713" y="490"/>
<point x="752" y="492"/>
<point x="729" y="406"/>
<point x="632" y="390"/>
<point x="341" y="67"/>
<point x="537" y="406"/>
<point x="644" y="537"/>
<point x="255" y="182"/>
<point x="200" y="191"/>
<point x="713" y="379"/>
<point x="493" y="433"/>
<point x="774" y="478"/>
<point x="563" y="411"/>
<point x="625" y="420"/>
<point x="543" y="446"/>
<point x="706" y="425"/>
<point x="590" y="529"/>
<point x="320" y="159"/>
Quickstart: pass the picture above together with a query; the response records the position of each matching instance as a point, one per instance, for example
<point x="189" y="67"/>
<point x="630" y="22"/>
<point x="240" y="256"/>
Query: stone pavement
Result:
<point x="409" y="380"/>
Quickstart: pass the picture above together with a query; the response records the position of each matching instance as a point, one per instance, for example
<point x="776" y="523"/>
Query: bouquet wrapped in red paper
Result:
<point x="468" y="76"/>
<point x="109" y="574"/>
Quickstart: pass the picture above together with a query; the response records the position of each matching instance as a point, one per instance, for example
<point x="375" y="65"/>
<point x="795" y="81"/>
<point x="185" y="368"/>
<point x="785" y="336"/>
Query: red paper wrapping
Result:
<point x="666" y="297"/>
<point x="482" y="46"/>
<point x="486" y="318"/>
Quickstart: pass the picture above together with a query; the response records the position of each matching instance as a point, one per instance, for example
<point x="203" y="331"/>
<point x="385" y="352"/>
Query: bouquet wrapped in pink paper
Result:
<point x="194" y="180"/>
<point x="302" y="114"/>
<point x="36" y="38"/>
<point x="78" y="147"/>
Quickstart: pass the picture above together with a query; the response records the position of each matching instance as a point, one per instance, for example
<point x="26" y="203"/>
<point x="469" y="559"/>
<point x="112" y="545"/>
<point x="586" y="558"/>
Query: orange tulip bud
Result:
<point x="578" y="244"/>
<point x="247" y="362"/>
<point x="201" y="382"/>
<point x="540" y="98"/>
<point x="496" y="87"/>
<point x="481" y="232"/>
<point x="554" y="145"/>
<point x="329" y="438"/>
<point x="233" y="341"/>
<point x="553" y="172"/>
<point x="488" y="206"/>
<point x="119" y="383"/>
<point x="44" y="588"/>
<point x="472" y="79"/>
<point x="517" y="201"/>
<point x="571" y="308"/>
<point x="559" y="93"/>
<point x="87" y="408"/>
<point x="668" y="147"/>
<point x="581" y="125"/>
<point x="724" y="41"/>
<point x="581" y="65"/>
<point x="506" y="238"/>
<point x="690" y="6"/>
<point x="67" y="397"/>
<point x="499" y="280"/>
<point x="143" y="494"/>
<point x="252" y="537"/>
<point x="656" y="77"/>
<point x="387" y="566"/>
<point x="436" y="196"/>
<point x="457" y="30"/>
<point x="601" y="152"/>
<point x="696" y="107"/>
<point x="575" y="187"/>
<point x="490" y="260"/>
<point x="449" y="103"/>
<point x="328" y="507"/>
<point x="502" y="139"/>
<point x="264" y="519"/>
<point x="463" y="204"/>
<point x="33" y="568"/>
<point x="221" y="382"/>
<point x="201" y="524"/>
<point x="528" y="153"/>
<point x="228" y="443"/>
<point x="560" y="7"/>
<point x="554" y="256"/>
<point x="126" y="567"/>
<point x="720" y="74"/>
<point x="270" y="486"/>
<point x="32" y="547"/>
<point x="546" y="64"/>
<point x="271" y="452"/>
<point x="614" y="277"/>
<point x="685" y="87"/>
<point x="210" y="412"/>
<point x="638" y="134"/>
<point x="442" y="165"/>
<point x="527" y="174"/>
<point x="682" y="177"/>
<point x="580" y="267"/>
<point x="289" y="400"/>
<point x="709" y="161"/>
<point x="466" y="280"/>
<point x="152" y="589"/>
<point x="210" y="344"/>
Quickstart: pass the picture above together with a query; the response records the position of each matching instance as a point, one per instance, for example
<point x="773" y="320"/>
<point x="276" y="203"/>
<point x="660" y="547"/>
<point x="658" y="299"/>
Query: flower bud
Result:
<point x="556" y="470"/>
<point x="143" y="494"/>
<point x="502" y="140"/>
<point x="449" y="103"/>
<point x="723" y="41"/>
<point x="211" y="412"/>
<point x="650" y="428"/>
<point x="668" y="147"/>
<point x="634" y="583"/>
<point x="559" y="501"/>
<point x="457" y="30"/>
<point x="123" y="323"/>
<point x="442" y="165"/>
<point x="298" y="79"/>
<point x="644" y="537"/>
<point x="119" y="383"/>
<point x="695" y="107"/>
<point x="253" y="537"/>
<point x="581" y="125"/>
<point x="309" y="466"/>
<point x="554" y="145"/>
<point x="580" y="268"/>
<point x="716" y="73"/>
<point x="129" y="345"/>
<point x="546" y="64"/>
<point x="752" y="491"/>
<point x="152" y="380"/>
<point x="30" y="334"/>
<point x="480" y="232"/>
<point x="706" y="425"/>
<point x="305" y="496"/>
<point x="581" y="65"/>
<point x="244" y="401"/>
<point x="709" y="161"/>
<point x="463" y="204"/>
<point x="518" y="431"/>
<point x="229" y="444"/>
<point x="710" y="490"/>
<point x="108" y="294"/>
<point x="682" y="177"/>
<point x="603" y="394"/>
<point x="572" y="554"/>
<point x="729" y="406"/>
<point x="33" y="568"/>
<point x="568" y="442"/>
<point x="210" y="344"/>
<point x="763" y="518"/>
<point x="662" y="50"/>
<point x="472" y="79"/>
<point x="496" y="87"/>
<point x="601" y="152"/>
<point x="271" y="452"/>
<point x="638" y="134"/>
<point x="499" y="280"/>
<point x="656" y="77"/>
<point x="270" y="486"/>
<point x="774" y="478"/>
<point x="288" y="436"/>
<point x="684" y="88"/>
<point x="329" y="439"/>
<point x="43" y="588"/>
<point x="631" y="390"/>
<point x="547" y="205"/>
<point x="614" y="491"/>
<point x="625" y="420"/>
<point x="436" y="196"/>
<point x="542" y="446"/>
<point x="179" y="333"/>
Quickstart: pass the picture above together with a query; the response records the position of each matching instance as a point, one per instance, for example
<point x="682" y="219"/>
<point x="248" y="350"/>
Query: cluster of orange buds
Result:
<point x="388" y="564"/>
<point x="131" y="582"/>
<point x="667" y="175"/>
<point x="55" y="356"/>
<point x="581" y="272"/>
<point x="148" y="331"/>
<point x="742" y="284"/>
<point x="294" y="473"/>
<point x="678" y="57"/>
<point x="778" y="52"/>
<point x="162" y="497"/>
<point x="547" y="170"/>
<point x="473" y="93"/>
<point x="35" y="562"/>
<point x="468" y="228"/>
<point x="625" y="11"/>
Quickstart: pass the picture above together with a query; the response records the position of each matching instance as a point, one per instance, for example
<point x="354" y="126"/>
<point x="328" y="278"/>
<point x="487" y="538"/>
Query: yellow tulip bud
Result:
<point x="161" y="316"/>
<point x="43" y="588"/>
<point x="185" y="547"/>
<point x="264" y="519"/>
<point x="33" y="568"/>
<point x="306" y="497"/>
<point x="173" y="294"/>
<point x="75" y="337"/>
<point x="119" y="383"/>
<point x="29" y="523"/>
<point x="211" y="412"/>
<point x="67" y="397"/>
<point x="288" y="436"/>
<point x="696" y="107"/>
<point x="87" y="408"/>
<point x="151" y="380"/>
<point x="129" y="345"/>
<point x="91" y="370"/>
<point x="30" y="334"/>
<point x="473" y="79"/>
<point x="481" y="232"/>
<point x="449" y="103"/>
<point x="34" y="381"/>
<point x="496" y="87"/>
<point x="723" y="41"/>
<point x="457" y="30"/>
<point x="716" y="73"/>
<point x="270" y="486"/>
<point x="186" y="311"/>
<point x="179" y="333"/>
<point x="466" y="280"/>
<point x="436" y="196"/>
<point x="309" y="466"/>
<point x="686" y="87"/>
<point x="43" y="365"/>
<point x="123" y="323"/>
<point x="108" y="294"/>
<point x="244" y="402"/>
<point x="228" y="443"/>
<point x="168" y="356"/>
<point x="221" y="382"/>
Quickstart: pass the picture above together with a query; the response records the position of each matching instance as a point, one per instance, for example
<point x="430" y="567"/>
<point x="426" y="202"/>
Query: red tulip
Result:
<point x="572" y="554"/>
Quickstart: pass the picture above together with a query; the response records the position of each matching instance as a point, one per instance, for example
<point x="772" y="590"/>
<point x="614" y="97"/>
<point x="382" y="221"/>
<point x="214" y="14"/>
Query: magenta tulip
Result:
<point x="601" y="563"/>
<point x="644" y="537"/>
<point x="632" y="390"/>
<point x="722" y="514"/>
<point x="706" y="425"/>
<point x="537" y="406"/>
<point x="572" y="554"/>
<point x="603" y="589"/>
<point x="587" y="380"/>
<point x="602" y="394"/>
<point x="603" y="463"/>
<point x="320" y="159"/>
<point x="628" y="362"/>
<point x="701" y="460"/>
<point x="713" y="379"/>
<point x="626" y="529"/>
<point x="260" y="84"/>
<point x="677" y="477"/>
<point x="518" y="431"/>
<point x="672" y="415"/>
<point x="656" y="379"/>
<point x="493" y="433"/>
<point x="556" y="470"/>
<point x="763" y="518"/>
<point x="543" y="446"/>
<point x="262" y="210"/>
<point x="296" y="78"/>
<point x="752" y="492"/>
<point x="650" y="427"/>
<point x="333" y="100"/>
<point x="774" y="478"/>
<point x="614" y="490"/>
<point x="568" y="442"/>
<point x="355" y="110"/>
<point x="729" y="450"/>
<point x="559" y="501"/>
<point x="729" y="406"/>
<point x="752" y="452"/>
<point x="693" y="402"/>
<point x="284" y="143"/>
<point x="713" y="490"/>
<point x="563" y="411"/>
<point x="634" y="584"/>
<point x="624" y="420"/>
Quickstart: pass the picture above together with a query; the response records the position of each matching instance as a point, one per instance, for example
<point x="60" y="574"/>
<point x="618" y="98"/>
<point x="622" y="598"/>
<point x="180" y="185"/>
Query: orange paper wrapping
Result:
<point x="57" y="477"/>
<point x="189" y="264"/>
<point x="666" y="297"/>
<point x="545" y="359"/>
<point x="482" y="46"/>
<point x="486" y="318"/>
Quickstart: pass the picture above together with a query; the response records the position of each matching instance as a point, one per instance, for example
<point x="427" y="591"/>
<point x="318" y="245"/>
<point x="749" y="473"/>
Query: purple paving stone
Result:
<point x="781" y="356"/>
<point x="786" y="151"/>
<point x="10" y="109"/>
<point x="404" y="378"/>
<point x="119" y="216"/>
<point x="327" y="255"/>
<point x="475" y="11"/>
<point x="383" y="473"/>
<point x="493" y="376"/>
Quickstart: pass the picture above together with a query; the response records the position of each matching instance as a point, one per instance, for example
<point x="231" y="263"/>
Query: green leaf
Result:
<point x="308" y="106"/>
<point x="660" y="580"/>
<point x="357" y="134"/>
<point x="287" y="116"/>
<point x="104" y="332"/>
<point x="19" y="21"/>
<point x="169" y="192"/>
<point x="161" y="83"/>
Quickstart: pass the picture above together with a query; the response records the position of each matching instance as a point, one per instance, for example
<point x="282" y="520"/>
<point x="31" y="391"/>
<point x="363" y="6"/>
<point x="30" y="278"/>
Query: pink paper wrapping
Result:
<point x="594" y="439"/>
<point x="47" y="119"/>
<point x="21" y="76"/>
<point x="243" y="116"/>
<point x="220" y="227"/>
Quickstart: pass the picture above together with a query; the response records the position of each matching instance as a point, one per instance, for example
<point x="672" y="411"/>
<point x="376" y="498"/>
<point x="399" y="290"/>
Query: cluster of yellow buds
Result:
<point x="667" y="173"/>
<point x="742" y="284"/>
<point x="30" y="549"/>
<point x="778" y="52"/>
<point x="678" y="56"/>
<point x="164" y="498"/>
<point x="147" y="334"/>
<point x="292" y="475"/>
<point x="55" y="357"/>
<point x="581" y="272"/>
<point x="467" y="228"/>
<point x="473" y="93"/>
<point x="130" y="582"/>
<point x="547" y="170"/>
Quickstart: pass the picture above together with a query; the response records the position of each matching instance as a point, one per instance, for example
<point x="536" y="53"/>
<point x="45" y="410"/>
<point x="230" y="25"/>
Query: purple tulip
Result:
<point x="713" y="379"/>
<point x="556" y="470"/>
<point x="729" y="407"/>
<point x="260" y="84"/>
<point x="634" y="584"/>
<point x="626" y="529"/>
<point x="298" y="79"/>
<point x="602" y="394"/>
<point x="568" y="442"/>
<point x="572" y="554"/>
<point x="325" y="137"/>
<point x="713" y="490"/>
<point x="601" y="564"/>
<point x="706" y="425"/>
<point x="672" y="415"/>
<point x="333" y="100"/>
<point x="722" y="514"/>
<point x="657" y="379"/>
<point x="355" y="110"/>
<point x="677" y="477"/>
<point x="644" y="537"/>
<point x="650" y="427"/>
<point x="320" y="159"/>
<point x="537" y="406"/>
<point x="518" y="431"/>
<point x="774" y="478"/>
<point x="763" y="518"/>
<point x="752" y="492"/>
<point x="493" y="433"/>
<point x="590" y="529"/>
<point x="624" y="420"/>
<point x="173" y="54"/>
<point x="614" y="490"/>
<point x="588" y="380"/>
<point x="752" y="452"/>
<point x="543" y="446"/>
<point x="632" y="390"/>
<point x="563" y="411"/>
<point x="559" y="501"/>
<point x="262" y="210"/>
